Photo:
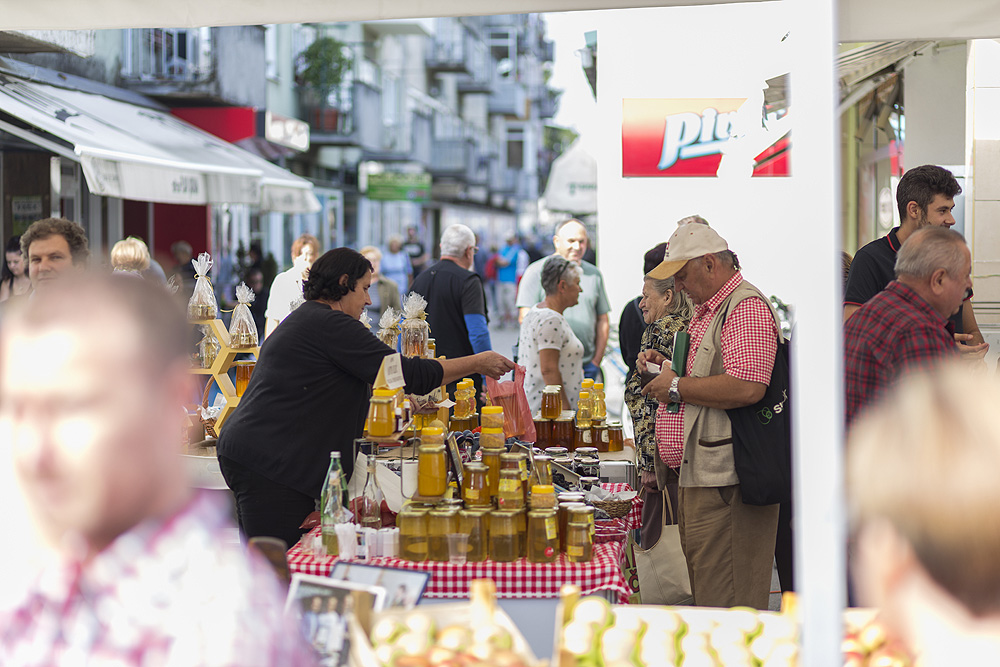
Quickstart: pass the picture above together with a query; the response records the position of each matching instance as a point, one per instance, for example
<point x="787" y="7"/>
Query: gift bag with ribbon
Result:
<point x="517" y="421"/>
<point x="202" y="304"/>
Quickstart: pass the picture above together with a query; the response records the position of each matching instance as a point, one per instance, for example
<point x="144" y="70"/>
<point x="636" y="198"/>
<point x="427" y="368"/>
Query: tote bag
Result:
<point x="663" y="572"/>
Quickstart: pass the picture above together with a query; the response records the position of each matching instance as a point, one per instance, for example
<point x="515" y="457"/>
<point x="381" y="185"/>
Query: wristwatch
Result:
<point x="673" y="393"/>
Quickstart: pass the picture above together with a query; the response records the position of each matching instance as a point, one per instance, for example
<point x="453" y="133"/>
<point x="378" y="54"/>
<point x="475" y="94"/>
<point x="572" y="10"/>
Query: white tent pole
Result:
<point x="820" y="541"/>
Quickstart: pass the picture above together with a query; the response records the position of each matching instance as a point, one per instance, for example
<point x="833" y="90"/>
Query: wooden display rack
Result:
<point x="220" y="369"/>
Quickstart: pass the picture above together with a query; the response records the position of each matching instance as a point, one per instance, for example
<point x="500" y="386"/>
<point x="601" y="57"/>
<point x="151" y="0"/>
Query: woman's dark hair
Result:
<point x="13" y="245"/>
<point x="555" y="270"/>
<point x="326" y="272"/>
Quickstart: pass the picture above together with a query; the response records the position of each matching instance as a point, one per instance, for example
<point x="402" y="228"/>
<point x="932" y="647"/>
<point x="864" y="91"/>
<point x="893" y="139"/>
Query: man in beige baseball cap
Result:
<point x="734" y="335"/>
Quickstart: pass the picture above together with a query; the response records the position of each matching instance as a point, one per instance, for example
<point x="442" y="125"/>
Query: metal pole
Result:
<point x="820" y="536"/>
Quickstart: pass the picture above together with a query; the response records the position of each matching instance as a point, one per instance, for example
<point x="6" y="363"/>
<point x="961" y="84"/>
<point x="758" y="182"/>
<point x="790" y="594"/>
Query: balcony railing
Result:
<point x="167" y="54"/>
<point x="508" y="98"/>
<point x="451" y="48"/>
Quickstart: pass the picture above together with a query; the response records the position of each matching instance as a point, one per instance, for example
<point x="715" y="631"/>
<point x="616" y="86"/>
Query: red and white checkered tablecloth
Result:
<point x="634" y="517"/>
<point x="519" y="579"/>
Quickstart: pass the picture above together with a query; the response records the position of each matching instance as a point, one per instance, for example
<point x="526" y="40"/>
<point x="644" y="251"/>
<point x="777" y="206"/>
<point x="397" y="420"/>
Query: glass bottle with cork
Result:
<point x="332" y="505"/>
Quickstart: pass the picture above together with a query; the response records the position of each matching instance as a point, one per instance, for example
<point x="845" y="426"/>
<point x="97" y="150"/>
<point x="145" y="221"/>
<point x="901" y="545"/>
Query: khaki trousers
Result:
<point x="729" y="546"/>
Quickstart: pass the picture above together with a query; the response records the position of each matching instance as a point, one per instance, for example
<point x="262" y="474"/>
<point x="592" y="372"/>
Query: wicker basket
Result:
<point x="616" y="509"/>
<point x="209" y="424"/>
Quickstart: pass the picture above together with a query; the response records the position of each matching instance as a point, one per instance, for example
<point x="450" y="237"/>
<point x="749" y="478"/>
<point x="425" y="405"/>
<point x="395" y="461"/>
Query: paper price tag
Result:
<point x="392" y="371"/>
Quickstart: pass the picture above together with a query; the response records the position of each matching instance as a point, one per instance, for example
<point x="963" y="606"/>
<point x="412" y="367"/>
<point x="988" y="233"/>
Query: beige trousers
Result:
<point x="729" y="546"/>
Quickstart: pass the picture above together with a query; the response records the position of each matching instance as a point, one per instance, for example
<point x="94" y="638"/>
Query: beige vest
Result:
<point x="708" y="434"/>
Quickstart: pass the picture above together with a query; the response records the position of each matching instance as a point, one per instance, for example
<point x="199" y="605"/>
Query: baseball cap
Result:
<point x="688" y="242"/>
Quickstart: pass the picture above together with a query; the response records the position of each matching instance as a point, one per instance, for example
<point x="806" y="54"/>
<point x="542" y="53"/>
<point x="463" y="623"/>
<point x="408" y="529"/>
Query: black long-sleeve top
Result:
<point x="308" y="396"/>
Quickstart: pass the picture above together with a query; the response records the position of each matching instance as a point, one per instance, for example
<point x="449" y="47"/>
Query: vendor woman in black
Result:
<point x="309" y="394"/>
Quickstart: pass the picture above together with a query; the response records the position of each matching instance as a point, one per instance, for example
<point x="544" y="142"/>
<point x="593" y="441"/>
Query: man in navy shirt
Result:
<point x="925" y="196"/>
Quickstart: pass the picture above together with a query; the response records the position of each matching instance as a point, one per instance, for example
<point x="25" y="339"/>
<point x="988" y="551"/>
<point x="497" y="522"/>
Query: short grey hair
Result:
<point x="929" y="249"/>
<point x="680" y="304"/>
<point x="555" y="270"/>
<point x="456" y="240"/>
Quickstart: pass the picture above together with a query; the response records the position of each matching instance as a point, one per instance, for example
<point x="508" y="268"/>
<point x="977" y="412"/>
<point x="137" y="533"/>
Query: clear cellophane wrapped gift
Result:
<point x="415" y="330"/>
<point x="389" y="327"/>
<point x="202" y="304"/>
<point x="242" y="328"/>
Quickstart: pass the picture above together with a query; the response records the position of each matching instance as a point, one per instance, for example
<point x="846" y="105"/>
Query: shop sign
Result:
<point x="690" y="137"/>
<point x="25" y="210"/>
<point x="396" y="186"/>
<point x="284" y="131"/>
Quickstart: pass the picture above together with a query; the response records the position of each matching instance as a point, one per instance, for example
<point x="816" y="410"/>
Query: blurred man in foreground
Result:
<point x="922" y="489"/>
<point x="93" y="374"/>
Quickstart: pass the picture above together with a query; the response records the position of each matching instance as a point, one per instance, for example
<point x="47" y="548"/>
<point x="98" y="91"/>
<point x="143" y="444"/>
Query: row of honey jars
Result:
<point x="423" y="532"/>
<point x="563" y="432"/>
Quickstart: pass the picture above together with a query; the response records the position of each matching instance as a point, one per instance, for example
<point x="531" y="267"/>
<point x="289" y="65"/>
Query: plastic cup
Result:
<point x="458" y="548"/>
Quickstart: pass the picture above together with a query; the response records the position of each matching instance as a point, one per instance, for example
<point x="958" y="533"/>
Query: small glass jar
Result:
<point x="491" y="458"/>
<point x="510" y="495"/>
<point x="475" y="485"/>
<point x="491" y="416"/>
<point x="542" y="471"/>
<point x="381" y="416"/>
<point x="475" y="524"/>
<point x="464" y="390"/>
<point x="519" y="462"/>
<point x="543" y="536"/>
<point x="543" y="497"/>
<point x="599" y="437"/>
<point x="432" y="471"/>
<point x="412" y="524"/>
<point x="432" y="435"/>
<point x="543" y="432"/>
<point x="564" y="509"/>
<point x="492" y="438"/>
<point x="616" y="437"/>
<point x="570" y="497"/>
<point x="585" y="453"/>
<point x="416" y="333"/>
<point x="583" y="514"/>
<point x="587" y="482"/>
<point x="562" y="432"/>
<point x="431" y="348"/>
<point x="551" y="401"/>
<point x="503" y="536"/>
<point x="440" y="523"/>
<point x="579" y="544"/>
<point x="588" y="467"/>
<point x="582" y="438"/>
<point x="556" y="452"/>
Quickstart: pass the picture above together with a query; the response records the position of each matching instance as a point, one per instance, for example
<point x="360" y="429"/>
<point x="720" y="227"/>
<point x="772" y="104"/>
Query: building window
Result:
<point x="515" y="147"/>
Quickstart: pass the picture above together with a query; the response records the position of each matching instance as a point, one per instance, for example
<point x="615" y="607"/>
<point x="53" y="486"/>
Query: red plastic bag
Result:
<point x="517" y="421"/>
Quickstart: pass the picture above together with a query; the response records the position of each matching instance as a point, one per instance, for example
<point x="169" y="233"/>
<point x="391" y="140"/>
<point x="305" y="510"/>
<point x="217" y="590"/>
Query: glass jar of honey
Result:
<point x="440" y="523"/>
<point x="599" y="437"/>
<point x="491" y="416"/>
<point x="431" y="348"/>
<point x="415" y="334"/>
<point x="492" y="438"/>
<point x="475" y="524"/>
<point x="543" y="432"/>
<point x="491" y="459"/>
<point x="517" y="461"/>
<point x="521" y="521"/>
<point x="582" y="437"/>
<point x="432" y="435"/>
<point x="616" y="437"/>
<point x="475" y="485"/>
<point x="579" y="544"/>
<point x="543" y="497"/>
<point x="584" y="514"/>
<point x="563" y="510"/>
<point x="432" y="471"/>
<point x="503" y="536"/>
<point x="541" y="473"/>
<point x="412" y="523"/>
<point x="381" y="414"/>
<point x="562" y="432"/>
<point x="551" y="401"/>
<point x="543" y="536"/>
<point x="510" y="495"/>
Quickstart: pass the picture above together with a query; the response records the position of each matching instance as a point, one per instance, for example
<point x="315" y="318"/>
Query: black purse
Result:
<point x="762" y="439"/>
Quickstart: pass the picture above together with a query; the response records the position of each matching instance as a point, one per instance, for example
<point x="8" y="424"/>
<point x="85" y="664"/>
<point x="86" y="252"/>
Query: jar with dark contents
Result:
<point x="616" y="437"/>
<point x="563" y="431"/>
<point x="543" y="432"/>
<point x="600" y="437"/>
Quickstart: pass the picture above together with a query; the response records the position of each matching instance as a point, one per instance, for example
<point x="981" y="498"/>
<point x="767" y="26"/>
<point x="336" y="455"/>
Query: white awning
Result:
<point x="134" y="152"/>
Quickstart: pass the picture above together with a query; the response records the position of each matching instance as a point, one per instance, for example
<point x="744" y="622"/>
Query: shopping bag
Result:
<point x="517" y="421"/>
<point x="663" y="572"/>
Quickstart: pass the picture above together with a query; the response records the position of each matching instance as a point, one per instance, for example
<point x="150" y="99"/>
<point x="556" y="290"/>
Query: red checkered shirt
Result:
<point x="895" y="331"/>
<point x="749" y="342"/>
<point x="166" y="592"/>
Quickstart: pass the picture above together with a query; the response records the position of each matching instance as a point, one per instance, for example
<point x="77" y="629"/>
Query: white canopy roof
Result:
<point x="135" y="152"/>
<point x="858" y="20"/>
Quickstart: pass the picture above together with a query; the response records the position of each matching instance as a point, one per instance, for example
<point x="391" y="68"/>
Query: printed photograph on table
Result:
<point x="404" y="588"/>
<point x="322" y="606"/>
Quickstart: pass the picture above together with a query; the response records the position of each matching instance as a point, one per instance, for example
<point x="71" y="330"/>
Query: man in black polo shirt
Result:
<point x="925" y="196"/>
<point x="456" y="302"/>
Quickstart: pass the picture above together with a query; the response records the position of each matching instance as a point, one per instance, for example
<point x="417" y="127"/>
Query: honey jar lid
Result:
<point x="492" y="410"/>
<point x="384" y="392"/>
<point x="541" y="513"/>
<point x="432" y="430"/>
<point x="587" y="384"/>
<point x="513" y="456"/>
<point x="443" y="511"/>
<point x="475" y="466"/>
<point x="492" y="431"/>
<point x="584" y="394"/>
<point x="552" y="389"/>
<point x="543" y="488"/>
<point x="598" y="386"/>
